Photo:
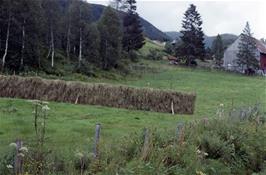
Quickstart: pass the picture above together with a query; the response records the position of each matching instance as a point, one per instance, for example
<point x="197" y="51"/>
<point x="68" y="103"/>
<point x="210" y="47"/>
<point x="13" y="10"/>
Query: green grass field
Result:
<point x="71" y="127"/>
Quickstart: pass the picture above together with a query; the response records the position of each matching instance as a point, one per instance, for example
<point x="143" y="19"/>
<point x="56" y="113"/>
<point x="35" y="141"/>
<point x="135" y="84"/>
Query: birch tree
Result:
<point x="7" y="18"/>
<point x="51" y="9"/>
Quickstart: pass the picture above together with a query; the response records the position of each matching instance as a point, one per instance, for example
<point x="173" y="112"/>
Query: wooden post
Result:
<point x="172" y="108"/>
<point x="205" y="121"/>
<point x="146" y="145"/>
<point x="77" y="100"/>
<point x="180" y="132"/>
<point x="18" y="158"/>
<point x="96" y="141"/>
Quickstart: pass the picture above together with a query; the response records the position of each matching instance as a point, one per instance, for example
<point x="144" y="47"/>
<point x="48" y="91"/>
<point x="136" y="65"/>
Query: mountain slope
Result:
<point x="227" y="38"/>
<point x="150" y="30"/>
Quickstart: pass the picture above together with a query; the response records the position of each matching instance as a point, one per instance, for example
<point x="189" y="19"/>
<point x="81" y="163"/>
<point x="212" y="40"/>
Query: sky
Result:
<point x="218" y="16"/>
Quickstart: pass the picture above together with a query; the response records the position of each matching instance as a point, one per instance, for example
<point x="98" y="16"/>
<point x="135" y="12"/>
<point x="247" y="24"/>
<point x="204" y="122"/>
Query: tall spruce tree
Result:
<point x="133" y="38"/>
<point x="110" y="38"/>
<point x="218" y="50"/>
<point x="192" y="36"/>
<point x="247" y="50"/>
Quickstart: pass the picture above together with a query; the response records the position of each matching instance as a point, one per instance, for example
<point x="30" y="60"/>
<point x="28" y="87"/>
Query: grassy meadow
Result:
<point x="72" y="126"/>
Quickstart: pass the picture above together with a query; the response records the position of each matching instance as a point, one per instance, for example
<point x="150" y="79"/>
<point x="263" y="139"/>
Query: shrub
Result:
<point x="84" y="68"/>
<point x="155" y="54"/>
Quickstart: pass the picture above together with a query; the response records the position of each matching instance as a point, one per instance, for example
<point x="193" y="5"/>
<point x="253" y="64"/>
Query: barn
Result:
<point x="230" y="56"/>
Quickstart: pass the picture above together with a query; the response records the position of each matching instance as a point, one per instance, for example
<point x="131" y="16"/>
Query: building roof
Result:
<point x="260" y="46"/>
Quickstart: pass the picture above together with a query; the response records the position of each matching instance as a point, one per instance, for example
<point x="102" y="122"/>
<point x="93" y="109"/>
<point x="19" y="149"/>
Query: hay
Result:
<point x="97" y="94"/>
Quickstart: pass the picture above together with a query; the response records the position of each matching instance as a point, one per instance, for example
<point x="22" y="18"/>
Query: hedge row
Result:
<point x="97" y="94"/>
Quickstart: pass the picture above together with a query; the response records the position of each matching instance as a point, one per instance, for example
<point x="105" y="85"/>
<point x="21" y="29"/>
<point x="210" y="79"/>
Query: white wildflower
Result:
<point x="198" y="151"/>
<point x="35" y="102"/>
<point x="45" y="102"/>
<point x="221" y="105"/>
<point x="9" y="166"/>
<point x="24" y="149"/>
<point x="45" y="108"/>
<point x="79" y="155"/>
<point x="21" y="155"/>
<point x="14" y="145"/>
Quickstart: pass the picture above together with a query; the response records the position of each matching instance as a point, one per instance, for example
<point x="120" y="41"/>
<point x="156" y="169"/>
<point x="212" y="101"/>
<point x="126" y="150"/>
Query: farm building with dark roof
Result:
<point x="230" y="56"/>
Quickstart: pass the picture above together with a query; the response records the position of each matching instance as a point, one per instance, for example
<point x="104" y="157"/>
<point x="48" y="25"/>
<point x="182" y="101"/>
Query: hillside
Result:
<point x="227" y="38"/>
<point x="150" y="30"/>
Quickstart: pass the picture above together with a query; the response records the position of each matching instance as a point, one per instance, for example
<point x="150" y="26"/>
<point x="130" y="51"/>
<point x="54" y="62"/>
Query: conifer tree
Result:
<point x="133" y="38"/>
<point x="110" y="38"/>
<point x="192" y="36"/>
<point x="247" y="50"/>
<point x="218" y="50"/>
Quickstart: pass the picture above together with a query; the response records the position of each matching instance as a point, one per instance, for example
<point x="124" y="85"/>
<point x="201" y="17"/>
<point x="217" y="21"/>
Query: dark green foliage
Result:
<point x="47" y="36"/>
<point x="23" y="15"/>
<point x="247" y="50"/>
<point x="92" y="44"/>
<point x="169" y="48"/>
<point x="155" y="54"/>
<point x="192" y="36"/>
<point x="133" y="38"/>
<point x="218" y="50"/>
<point x="110" y="38"/>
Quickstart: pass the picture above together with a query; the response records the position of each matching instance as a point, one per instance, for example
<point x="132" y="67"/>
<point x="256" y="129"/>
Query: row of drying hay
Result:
<point x="97" y="94"/>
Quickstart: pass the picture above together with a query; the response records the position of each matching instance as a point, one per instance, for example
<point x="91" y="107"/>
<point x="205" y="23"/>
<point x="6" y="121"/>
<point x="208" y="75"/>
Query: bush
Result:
<point x="155" y="54"/>
<point x="84" y="68"/>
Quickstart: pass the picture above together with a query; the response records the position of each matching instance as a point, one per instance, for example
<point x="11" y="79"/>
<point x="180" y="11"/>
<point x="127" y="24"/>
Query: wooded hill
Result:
<point x="149" y="30"/>
<point x="44" y="34"/>
<point x="228" y="39"/>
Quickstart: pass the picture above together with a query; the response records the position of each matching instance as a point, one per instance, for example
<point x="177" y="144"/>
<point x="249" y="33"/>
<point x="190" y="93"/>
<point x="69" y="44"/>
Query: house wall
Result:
<point x="263" y="61"/>
<point x="230" y="57"/>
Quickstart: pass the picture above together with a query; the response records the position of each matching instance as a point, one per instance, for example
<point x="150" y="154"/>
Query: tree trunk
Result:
<point x="80" y="46"/>
<point x="52" y="46"/>
<point x="23" y="44"/>
<point x="105" y="57"/>
<point x="68" y="43"/>
<point x="7" y="40"/>
<point x="0" y="39"/>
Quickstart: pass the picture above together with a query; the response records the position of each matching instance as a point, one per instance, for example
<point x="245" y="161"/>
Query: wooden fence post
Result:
<point x="172" y="108"/>
<point x="205" y="121"/>
<point x="180" y="131"/>
<point x="96" y="141"/>
<point x="146" y="145"/>
<point x="18" y="164"/>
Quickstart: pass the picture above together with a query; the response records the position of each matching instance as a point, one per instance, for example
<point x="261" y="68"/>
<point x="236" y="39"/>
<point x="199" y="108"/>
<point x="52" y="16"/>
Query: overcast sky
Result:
<point x="218" y="16"/>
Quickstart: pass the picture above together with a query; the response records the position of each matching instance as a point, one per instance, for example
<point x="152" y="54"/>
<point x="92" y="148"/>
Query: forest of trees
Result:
<point x="40" y="35"/>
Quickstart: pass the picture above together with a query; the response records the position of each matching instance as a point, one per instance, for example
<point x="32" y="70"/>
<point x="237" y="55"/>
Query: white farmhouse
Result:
<point x="230" y="56"/>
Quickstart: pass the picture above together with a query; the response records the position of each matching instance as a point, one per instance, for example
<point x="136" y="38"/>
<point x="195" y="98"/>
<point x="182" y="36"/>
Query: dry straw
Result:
<point x="97" y="94"/>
